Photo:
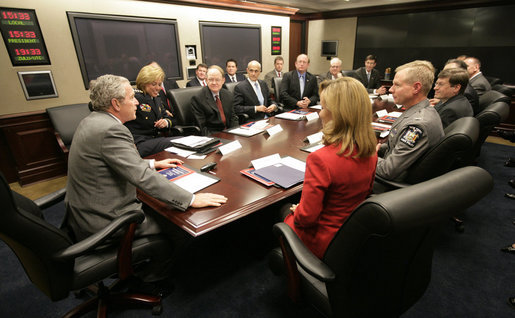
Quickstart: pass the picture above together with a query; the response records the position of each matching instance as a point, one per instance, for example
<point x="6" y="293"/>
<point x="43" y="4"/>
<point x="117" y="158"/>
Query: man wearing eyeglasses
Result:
<point x="449" y="88"/>
<point x="213" y="106"/>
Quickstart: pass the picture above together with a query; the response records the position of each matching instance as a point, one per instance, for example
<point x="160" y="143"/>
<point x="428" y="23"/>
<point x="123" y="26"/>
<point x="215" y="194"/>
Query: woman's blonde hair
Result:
<point x="149" y="74"/>
<point x="348" y="102"/>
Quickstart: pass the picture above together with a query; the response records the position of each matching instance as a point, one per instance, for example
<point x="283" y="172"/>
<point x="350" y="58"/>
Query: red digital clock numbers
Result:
<point x="27" y="52"/>
<point x="11" y="15"/>
<point x="22" y="34"/>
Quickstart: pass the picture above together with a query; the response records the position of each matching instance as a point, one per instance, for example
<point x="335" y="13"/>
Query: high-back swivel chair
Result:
<point x="379" y="262"/>
<point x="56" y="265"/>
<point x="181" y="103"/>
<point x="65" y="120"/>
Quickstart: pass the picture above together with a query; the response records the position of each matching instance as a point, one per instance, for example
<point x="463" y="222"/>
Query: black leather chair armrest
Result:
<point x="304" y="257"/>
<point x="50" y="199"/>
<point x="243" y="118"/>
<point x="390" y="183"/>
<point x="93" y="241"/>
<point x="186" y="130"/>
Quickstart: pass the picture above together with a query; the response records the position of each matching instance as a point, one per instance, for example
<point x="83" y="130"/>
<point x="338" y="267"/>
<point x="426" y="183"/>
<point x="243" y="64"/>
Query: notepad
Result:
<point x="283" y="175"/>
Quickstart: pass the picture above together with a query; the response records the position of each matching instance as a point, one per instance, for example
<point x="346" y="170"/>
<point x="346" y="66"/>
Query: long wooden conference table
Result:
<point x="245" y="195"/>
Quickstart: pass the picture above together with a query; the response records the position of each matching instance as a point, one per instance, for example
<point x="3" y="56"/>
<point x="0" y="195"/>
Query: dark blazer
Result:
<point x="207" y="115"/>
<point x="245" y="99"/>
<point x="375" y="79"/>
<point x="290" y="89"/>
<point x="480" y="84"/>
<point x="193" y="82"/>
<point x="148" y="111"/>
<point x="473" y="98"/>
<point x="239" y="77"/>
<point x="454" y="108"/>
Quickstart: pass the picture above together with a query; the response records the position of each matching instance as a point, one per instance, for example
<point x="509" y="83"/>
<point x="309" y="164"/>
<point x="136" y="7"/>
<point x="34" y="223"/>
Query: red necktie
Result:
<point x="220" y="108"/>
<point x="279" y="74"/>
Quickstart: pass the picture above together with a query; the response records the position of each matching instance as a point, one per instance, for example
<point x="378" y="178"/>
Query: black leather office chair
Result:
<point x="65" y="120"/>
<point x="379" y="262"/>
<point x="56" y="265"/>
<point x="181" y="103"/>
<point x="350" y="73"/>
<point x="490" y="117"/>
<point x="490" y="97"/>
<point x="503" y="89"/>
<point x="277" y="90"/>
<point x="231" y="86"/>
<point x="459" y="139"/>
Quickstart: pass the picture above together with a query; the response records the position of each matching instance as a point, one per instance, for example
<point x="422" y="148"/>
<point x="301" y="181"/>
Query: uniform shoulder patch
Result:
<point x="145" y="107"/>
<point x="411" y="136"/>
<point x="137" y="91"/>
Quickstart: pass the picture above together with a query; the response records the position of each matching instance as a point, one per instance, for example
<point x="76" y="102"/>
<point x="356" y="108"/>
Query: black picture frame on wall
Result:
<point x="122" y="45"/>
<point x="223" y="41"/>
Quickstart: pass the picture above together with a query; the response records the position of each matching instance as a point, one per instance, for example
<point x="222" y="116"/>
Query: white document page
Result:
<point x="194" y="182"/>
<point x="266" y="161"/>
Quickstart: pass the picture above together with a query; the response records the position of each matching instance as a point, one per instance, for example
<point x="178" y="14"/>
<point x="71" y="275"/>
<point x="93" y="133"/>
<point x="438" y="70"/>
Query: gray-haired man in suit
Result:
<point x="104" y="167"/>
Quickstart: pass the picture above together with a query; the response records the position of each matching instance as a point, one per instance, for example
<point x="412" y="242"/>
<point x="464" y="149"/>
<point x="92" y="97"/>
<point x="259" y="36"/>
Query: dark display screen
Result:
<point x="22" y="37"/>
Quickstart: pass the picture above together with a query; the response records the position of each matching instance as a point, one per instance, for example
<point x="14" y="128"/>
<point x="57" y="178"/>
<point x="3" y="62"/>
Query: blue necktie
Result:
<point x="259" y="94"/>
<point x="302" y="83"/>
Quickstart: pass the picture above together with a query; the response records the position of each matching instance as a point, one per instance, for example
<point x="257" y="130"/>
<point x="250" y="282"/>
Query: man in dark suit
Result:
<point x="476" y="78"/>
<point x="231" y="66"/>
<point x="449" y="88"/>
<point x="104" y="169"/>
<point x="470" y="93"/>
<point x="213" y="106"/>
<point x="299" y="88"/>
<point x="200" y="78"/>
<point x="252" y="96"/>
<point x="370" y="77"/>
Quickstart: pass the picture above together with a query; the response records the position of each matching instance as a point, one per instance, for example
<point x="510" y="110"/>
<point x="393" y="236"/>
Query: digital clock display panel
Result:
<point x="22" y="37"/>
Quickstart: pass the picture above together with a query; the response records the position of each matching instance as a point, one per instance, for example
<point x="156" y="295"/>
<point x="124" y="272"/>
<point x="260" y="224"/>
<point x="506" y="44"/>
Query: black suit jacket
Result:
<point x="193" y="82"/>
<point x="290" y="89"/>
<point x="245" y="99"/>
<point x="239" y="77"/>
<point x="454" y="108"/>
<point x="206" y="113"/>
<point x="375" y="79"/>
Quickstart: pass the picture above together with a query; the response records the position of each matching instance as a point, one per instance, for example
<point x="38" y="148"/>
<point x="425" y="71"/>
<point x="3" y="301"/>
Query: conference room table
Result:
<point x="245" y="195"/>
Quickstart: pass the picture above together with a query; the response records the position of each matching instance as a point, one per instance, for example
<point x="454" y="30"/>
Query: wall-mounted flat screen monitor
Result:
<point x="122" y="45"/>
<point x="37" y="84"/>
<point x="223" y="41"/>
<point x="330" y="48"/>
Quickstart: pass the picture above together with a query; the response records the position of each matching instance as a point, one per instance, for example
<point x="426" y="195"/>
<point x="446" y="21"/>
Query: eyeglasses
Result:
<point x="214" y="80"/>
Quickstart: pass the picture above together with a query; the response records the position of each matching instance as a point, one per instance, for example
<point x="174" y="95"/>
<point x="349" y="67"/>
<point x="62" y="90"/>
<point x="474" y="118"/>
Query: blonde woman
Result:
<point x="340" y="175"/>
<point x="151" y="115"/>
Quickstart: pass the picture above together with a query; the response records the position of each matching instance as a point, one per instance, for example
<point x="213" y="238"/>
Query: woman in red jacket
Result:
<point x="340" y="175"/>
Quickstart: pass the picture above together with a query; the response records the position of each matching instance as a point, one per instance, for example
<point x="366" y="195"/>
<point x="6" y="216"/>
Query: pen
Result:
<point x="211" y="172"/>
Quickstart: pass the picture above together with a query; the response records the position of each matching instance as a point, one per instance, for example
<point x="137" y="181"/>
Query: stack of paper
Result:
<point x="273" y="169"/>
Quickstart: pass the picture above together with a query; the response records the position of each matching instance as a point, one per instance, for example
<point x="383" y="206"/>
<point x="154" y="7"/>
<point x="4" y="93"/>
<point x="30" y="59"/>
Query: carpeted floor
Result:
<point x="225" y="273"/>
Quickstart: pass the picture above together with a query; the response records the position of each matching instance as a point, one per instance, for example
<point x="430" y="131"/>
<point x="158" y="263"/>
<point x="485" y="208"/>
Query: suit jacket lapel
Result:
<point x="252" y="92"/>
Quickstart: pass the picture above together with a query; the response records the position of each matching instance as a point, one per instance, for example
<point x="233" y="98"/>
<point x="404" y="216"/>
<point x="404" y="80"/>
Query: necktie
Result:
<point x="220" y="109"/>
<point x="301" y="82"/>
<point x="279" y="74"/>
<point x="233" y="78"/>
<point x="368" y="77"/>
<point x="259" y="94"/>
<point x="203" y="83"/>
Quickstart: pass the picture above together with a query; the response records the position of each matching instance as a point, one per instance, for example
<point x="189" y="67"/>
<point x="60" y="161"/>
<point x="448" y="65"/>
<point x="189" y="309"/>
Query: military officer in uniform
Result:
<point x="418" y="129"/>
<point x="151" y="114"/>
